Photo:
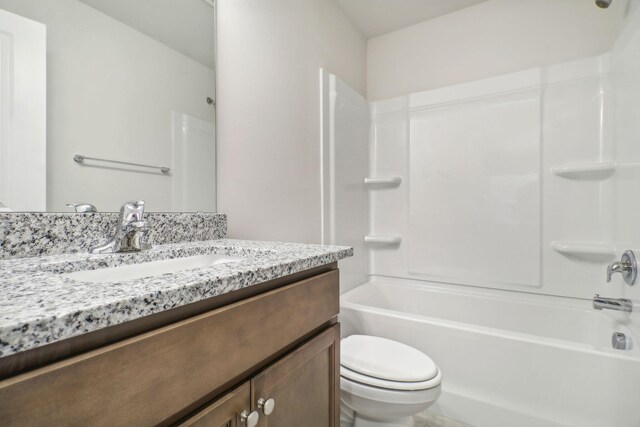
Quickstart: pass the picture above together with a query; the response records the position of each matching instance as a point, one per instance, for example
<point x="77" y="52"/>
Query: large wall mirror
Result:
<point x="103" y="101"/>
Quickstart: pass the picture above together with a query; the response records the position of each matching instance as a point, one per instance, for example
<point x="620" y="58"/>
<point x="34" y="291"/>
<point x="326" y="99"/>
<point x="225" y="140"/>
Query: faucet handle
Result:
<point x="139" y="226"/>
<point x="627" y="267"/>
<point x="132" y="211"/>
<point x="134" y="236"/>
<point x="617" y="267"/>
<point x="82" y="207"/>
<point x="130" y="233"/>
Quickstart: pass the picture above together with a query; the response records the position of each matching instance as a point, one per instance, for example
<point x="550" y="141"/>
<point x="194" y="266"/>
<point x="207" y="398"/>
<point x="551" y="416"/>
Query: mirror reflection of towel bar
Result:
<point x="79" y="158"/>
<point x="385" y="240"/>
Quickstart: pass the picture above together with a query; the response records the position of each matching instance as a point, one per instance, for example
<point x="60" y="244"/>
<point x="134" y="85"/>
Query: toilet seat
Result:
<point x="390" y="385"/>
<point x="365" y="360"/>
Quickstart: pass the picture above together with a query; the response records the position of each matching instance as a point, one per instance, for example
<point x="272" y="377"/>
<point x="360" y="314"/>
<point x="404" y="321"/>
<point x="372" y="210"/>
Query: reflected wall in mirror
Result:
<point x="130" y="81"/>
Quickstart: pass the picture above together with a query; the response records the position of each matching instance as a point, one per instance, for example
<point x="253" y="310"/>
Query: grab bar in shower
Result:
<point x="79" y="158"/>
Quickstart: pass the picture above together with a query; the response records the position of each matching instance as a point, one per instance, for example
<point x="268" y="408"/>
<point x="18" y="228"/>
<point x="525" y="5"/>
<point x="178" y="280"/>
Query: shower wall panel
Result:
<point x="474" y="198"/>
<point x="494" y="190"/>
<point x="625" y="80"/>
<point x="345" y="164"/>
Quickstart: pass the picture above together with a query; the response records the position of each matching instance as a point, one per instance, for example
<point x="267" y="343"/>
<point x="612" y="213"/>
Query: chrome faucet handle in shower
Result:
<point x="627" y="266"/>
<point x="617" y="267"/>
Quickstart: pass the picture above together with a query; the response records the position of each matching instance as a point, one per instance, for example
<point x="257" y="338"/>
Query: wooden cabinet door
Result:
<point x="304" y="385"/>
<point x="224" y="412"/>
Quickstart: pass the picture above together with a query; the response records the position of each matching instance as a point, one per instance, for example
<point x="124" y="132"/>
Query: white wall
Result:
<point x="110" y="93"/>
<point x="269" y="54"/>
<point x="486" y="40"/>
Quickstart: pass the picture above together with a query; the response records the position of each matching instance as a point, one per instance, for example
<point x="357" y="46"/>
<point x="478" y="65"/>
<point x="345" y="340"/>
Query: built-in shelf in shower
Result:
<point x="383" y="239"/>
<point x="383" y="181"/>
<point x="597" y="170"/>
<point x="585" y="249"/>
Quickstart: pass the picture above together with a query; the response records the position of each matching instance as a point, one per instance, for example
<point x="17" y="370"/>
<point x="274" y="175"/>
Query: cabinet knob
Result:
<point x="250" y="419"/>
<point x="266" y="405"/>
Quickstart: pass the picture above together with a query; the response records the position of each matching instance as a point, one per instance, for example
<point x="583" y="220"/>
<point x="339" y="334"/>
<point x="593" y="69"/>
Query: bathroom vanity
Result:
<point x="279" y="344"/>
<point x="250" y="342"/>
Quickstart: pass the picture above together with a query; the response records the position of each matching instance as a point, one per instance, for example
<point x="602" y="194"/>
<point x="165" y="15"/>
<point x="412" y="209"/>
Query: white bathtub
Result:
<point x="508" y="359"/>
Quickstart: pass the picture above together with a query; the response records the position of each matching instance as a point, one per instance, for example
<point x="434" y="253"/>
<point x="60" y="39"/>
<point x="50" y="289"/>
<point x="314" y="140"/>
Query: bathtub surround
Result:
<point x="503" y="177"/>
<point x="30" y="234"/>
<point x="499" y="175"/>
<point x="538" y="201"/>
<point x="345" y="160"/>
<point x="38" y="306"/>
<point x="510" y="197"/>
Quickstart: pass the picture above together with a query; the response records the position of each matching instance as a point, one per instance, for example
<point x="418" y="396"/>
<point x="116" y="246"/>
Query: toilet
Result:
<point x="383" y="383"/>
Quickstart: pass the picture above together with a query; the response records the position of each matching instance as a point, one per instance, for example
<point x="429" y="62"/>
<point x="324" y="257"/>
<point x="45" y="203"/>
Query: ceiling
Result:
<point x="187" y="26"/>
<point x="377" y="17"/>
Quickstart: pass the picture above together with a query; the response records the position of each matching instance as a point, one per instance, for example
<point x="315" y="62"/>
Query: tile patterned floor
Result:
<point x="429" y="419"/>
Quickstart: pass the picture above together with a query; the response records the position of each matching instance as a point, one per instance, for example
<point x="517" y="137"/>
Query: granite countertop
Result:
<point x="39" y="305"/>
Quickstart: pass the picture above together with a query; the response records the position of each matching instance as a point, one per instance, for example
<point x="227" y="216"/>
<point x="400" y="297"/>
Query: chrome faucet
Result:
<point x="627" y="267"/>
<point x="617" y="304"/>
<point x="82" y="207"/>
<point x="130" y="232"/>
<point x="617" y="267"/>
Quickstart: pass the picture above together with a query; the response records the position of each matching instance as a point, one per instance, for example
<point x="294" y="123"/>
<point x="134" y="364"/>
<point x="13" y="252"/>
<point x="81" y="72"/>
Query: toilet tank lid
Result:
<point x="385" y="359"/>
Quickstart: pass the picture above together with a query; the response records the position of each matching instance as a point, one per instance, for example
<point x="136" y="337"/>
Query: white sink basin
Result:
<point x="149" y="269"/>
